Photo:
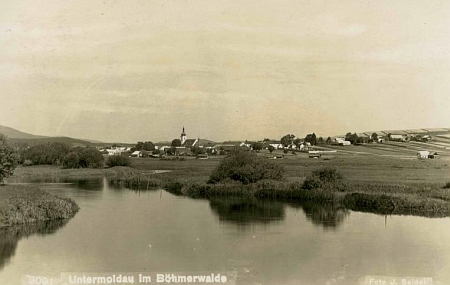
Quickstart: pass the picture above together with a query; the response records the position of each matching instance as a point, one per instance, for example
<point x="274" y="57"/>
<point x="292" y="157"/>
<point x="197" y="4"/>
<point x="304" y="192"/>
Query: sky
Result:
<point x="127" y="71"/>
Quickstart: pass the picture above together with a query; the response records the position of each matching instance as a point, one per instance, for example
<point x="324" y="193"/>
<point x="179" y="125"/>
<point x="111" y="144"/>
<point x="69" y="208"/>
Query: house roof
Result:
<point x="234" y="143"/>
<point x="362" y="135"/>
<point x="396" y="136"/>
<point x="190" y="142"/>
<point x="376" y="132"/>
<point x="416" y="131"/>
<point x="395" y="132"/>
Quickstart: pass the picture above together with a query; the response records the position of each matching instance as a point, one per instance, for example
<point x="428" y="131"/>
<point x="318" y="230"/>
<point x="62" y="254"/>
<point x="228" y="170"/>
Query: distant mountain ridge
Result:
<point x="15" y="134"/>
<point x="18" y="136"/>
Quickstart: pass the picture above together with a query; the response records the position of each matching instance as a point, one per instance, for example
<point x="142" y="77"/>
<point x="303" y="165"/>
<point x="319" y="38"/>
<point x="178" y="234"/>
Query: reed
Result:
<point x="26" y="204"/>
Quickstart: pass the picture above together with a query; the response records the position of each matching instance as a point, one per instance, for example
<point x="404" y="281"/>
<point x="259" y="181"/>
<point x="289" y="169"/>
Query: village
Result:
<point x="427" y="143"/>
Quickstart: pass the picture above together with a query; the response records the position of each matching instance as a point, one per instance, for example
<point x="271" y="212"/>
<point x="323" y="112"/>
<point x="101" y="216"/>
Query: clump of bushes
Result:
<point x="26" y="204"/>
<point x="83" y="157"/>
<point x="117" y="160"/>
<point x="47" y="153"/>
<point x="325" y="178"/>
<point x="246" y="167"/>
<point x="175" y="158"/>
<point x="447" y="185"/>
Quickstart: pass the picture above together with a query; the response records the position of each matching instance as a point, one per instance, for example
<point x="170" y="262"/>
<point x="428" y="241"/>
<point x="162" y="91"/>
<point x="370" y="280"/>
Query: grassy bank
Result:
<point x="424" y="199"/>
<point x="25" y="204"/>
<point x="40" y="171"/>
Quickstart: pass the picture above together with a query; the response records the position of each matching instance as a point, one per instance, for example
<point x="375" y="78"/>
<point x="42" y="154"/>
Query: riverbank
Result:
<point x="382" y="185"/>
<point x="425" y="199"/>
<point x="55" y="171"/>
<point x="23" y="204"/>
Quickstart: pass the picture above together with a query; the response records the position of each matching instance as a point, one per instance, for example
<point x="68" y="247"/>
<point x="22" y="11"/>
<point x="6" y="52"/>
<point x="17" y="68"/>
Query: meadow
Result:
<point x="395" y="184"/>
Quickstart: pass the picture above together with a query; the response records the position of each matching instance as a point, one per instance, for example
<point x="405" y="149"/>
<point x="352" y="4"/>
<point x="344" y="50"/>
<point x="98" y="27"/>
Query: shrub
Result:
<point x="244" y="166"/>
<point x="7" y="159"/>
<point x="47" y="153"/>
<point x="88" y="157"/>
<point x="447" y="185"/>
<point x="118" y="160"/>
<point x="71" y="160"/>
<point x="324" y="178"/>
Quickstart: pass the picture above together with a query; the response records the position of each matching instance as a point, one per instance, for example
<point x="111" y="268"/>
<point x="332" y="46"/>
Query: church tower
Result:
<point x="183" y="137"/>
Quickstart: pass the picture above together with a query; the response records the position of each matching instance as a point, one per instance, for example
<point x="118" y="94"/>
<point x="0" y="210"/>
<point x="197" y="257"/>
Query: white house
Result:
<point x="423" y="154"/>
<point x="342" y="141"/>
<point x="398" y="137"/>
<point x="137" y="153"/>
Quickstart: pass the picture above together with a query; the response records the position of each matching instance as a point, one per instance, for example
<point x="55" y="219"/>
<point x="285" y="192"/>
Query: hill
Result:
<point x="21" y="137"/>
<point x="15" y="134"/>
<point x="70" y="141"/>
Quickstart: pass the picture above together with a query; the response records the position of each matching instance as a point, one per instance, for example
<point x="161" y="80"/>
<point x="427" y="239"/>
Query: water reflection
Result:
<point x="326" y="215"/>
<point x="10" y="236"/>
<point x="92" y="184"/>
<point x="246" y="210"/>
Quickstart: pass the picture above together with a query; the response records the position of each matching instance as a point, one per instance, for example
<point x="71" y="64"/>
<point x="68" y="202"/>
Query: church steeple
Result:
<point x="183" y="137"/>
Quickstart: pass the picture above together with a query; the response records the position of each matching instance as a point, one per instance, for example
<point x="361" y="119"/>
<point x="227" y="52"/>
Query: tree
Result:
<point x="328" y="140"/>
<point x="374" y="137"/>
<point x="7" y="159"/>
<point x="88" y="157"/>
<point x="176" y="142"/>
<point x="257" y="146"/>
<point x="297" y="142"/>
<point x="71" y="160"/>
<point x="320" y="140"/>
<point x="347" y="136"/>
<point x="47" y="153"/>
<point x="271" y="148"/>
<point x="197" y="150"/>
<point x="148" y="146"/>
<point x="287" y="140"/>
<point x="352" y="138"/>
<point x="311" y="138"/>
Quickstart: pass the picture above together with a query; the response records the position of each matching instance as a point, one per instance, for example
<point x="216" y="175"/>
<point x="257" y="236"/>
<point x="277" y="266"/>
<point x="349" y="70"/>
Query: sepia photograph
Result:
<point x="294" y="142"/>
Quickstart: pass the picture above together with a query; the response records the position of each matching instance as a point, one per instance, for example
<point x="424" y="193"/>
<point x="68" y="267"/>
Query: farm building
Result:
<point x="363" y="138"/>
<point x="342" y="141"/>
<point x="140" y="153"/>
<point x="398" y="137"/>
<point x="275" y="144"/>
<point x="423" y="154"/>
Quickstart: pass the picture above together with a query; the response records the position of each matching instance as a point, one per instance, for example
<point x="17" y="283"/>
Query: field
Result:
<point x="378" y="163"/>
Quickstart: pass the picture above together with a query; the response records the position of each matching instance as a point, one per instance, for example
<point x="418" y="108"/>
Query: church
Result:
<point x="188" y="143"/>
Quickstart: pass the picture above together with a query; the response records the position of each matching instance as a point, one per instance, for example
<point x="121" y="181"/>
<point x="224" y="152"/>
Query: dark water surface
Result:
<point x="265" y="242"/>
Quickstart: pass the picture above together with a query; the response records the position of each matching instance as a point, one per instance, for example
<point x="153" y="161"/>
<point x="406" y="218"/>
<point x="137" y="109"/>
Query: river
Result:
<point x="264" y="242"/>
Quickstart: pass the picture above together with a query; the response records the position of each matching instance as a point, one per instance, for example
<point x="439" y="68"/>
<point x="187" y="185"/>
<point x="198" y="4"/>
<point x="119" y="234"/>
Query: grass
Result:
<point x="25" y="204"/>
<point x="365" y="187"/>
<point x="55" y="171"/>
